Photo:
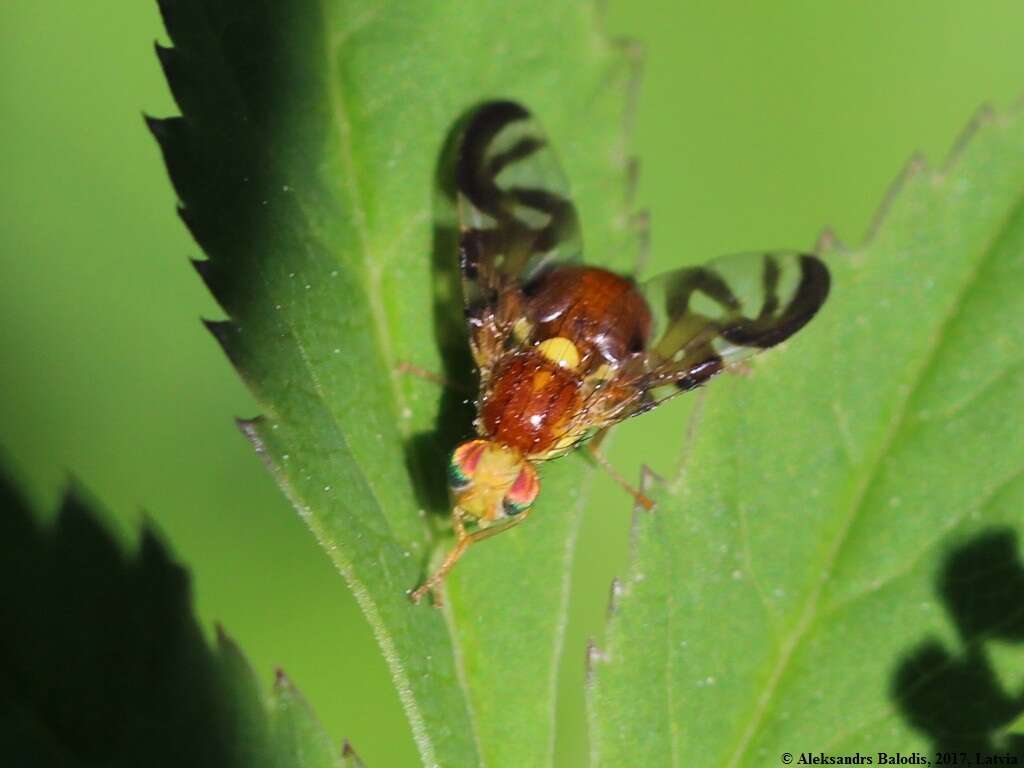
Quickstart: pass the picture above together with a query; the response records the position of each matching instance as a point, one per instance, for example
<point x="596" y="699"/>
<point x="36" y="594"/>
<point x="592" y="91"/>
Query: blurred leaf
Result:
<point x="1017" y="726"/>
<point x="103" y="663"/>
<point x="297" y="737"/>
<point x="782" y="596"/>
<point x="305" y="161"/>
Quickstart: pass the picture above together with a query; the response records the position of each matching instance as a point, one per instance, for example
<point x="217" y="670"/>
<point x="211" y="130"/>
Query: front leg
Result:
<point x="463" y="540"/>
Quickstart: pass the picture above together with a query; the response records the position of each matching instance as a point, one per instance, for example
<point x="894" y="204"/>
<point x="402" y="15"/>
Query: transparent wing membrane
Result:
<point x="516" y="217"/>
<point x="709" y="317"/>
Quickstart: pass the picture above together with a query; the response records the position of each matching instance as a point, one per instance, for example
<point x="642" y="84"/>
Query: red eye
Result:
<point x="464" y="462"/>
<point x="523" y="491"/>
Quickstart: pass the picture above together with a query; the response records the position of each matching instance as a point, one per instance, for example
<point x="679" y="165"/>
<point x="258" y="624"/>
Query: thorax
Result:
<point x="531" y="402"/>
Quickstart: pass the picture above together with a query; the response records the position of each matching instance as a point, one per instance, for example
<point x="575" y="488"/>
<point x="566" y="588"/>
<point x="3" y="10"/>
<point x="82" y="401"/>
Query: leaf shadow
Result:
<point x="427" y="452"/>
<point x="954" y="696"/>
<point x="101" y="659"/>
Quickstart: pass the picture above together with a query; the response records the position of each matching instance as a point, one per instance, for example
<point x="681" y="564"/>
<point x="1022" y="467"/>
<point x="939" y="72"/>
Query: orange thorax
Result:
<point x="531" y="402"/>
<point x="602" y="313"/>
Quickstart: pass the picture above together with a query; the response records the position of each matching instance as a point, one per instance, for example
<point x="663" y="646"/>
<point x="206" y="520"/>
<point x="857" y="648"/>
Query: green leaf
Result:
<point x="1017" y="726"/>
<point x="835" y="567"/>
<point x="305" y="162"/>
<point x="103" y="663"/>
<point x="297" y="737"/>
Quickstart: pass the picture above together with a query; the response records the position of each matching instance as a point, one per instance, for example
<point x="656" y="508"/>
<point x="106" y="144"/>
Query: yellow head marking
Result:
<point x="561" y="352"/>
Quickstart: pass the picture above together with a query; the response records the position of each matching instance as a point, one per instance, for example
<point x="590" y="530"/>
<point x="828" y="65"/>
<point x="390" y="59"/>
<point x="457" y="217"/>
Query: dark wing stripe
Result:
<point x="698" y="373"/>
<point x="515" y="218"/>
<point x="714" y="316"/>
<point x="562" y="212"/>
<point x="474" y="176"/>
<point x="771" y="286"/>
<point x="705" y="281"/>
<point x="510" y="228"/>
<point x="770" y="329"/>
<point x="520" y="151"/>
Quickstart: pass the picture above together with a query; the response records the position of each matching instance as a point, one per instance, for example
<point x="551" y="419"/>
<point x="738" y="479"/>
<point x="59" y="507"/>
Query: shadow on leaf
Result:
<point x="429" y="451"/>
<point x="103" y="663"/>
<point x="953" y="695"/>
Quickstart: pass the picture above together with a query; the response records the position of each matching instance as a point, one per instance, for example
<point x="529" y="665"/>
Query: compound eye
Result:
<point x="463" y="464"/>
<point x="512" y="508"/>
<point x="522" y="493"/>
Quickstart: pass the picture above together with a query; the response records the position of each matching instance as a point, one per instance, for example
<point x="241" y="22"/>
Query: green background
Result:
<point x="756" y="125"/>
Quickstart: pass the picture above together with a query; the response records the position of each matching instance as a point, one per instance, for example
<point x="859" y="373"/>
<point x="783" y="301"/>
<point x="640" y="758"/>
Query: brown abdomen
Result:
<point x="530" y="402"/>
<point x="600" y="312"/>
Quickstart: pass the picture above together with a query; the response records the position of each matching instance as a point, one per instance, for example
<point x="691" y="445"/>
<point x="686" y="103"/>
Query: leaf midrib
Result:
<point x="809" y="614"/>
<point x="421" y="732"/>
<point x="339" y="109"/>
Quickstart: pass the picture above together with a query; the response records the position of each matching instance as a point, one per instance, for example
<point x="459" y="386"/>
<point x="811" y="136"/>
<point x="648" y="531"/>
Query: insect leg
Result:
<point x="594" y="449"/>
<point x="434" y="378"/>
<point x="462" y="542"/>
<point x="494" y="530"/>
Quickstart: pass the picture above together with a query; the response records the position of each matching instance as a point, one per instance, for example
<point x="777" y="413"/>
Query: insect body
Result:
<point x="567" y="350"/>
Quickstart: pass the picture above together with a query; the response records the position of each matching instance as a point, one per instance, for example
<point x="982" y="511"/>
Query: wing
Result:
<point x="708" y="318"/>
<point x="516" y="220"/>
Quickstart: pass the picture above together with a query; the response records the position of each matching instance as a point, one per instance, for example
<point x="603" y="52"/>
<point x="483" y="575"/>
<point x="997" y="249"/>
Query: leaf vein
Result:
<point x="889" y="710"/>
<point x="928" y="546"/>
<point x="957" y="409"/>
<point x="809" y="613"/>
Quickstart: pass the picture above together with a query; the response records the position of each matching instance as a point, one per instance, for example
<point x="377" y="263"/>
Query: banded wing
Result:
<point x="516" y="219"/>
<point x="715" y="315"/>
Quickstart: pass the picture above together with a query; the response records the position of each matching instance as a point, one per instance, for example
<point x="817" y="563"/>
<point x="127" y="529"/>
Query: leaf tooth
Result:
<point x="915" y="166"/>
<point x="171" y="134"/>
<point x="281" y="681"/>
<point x="192" y="222"/>
<point x="180" y="79"/>
<point x="633" y="52"/>
<point x="614" y="593"/>
<point x="986" y="115"/>
<point x="648" y="478"/>
<point x="182" y="20"/>
<point x="594" y="656"/>
<point x="349" y="755"/>
<point x="214" y="273"/>
<point x="225" y="332"/>
<point x="209" y="271"/>
<point x="640" y="223"/>
<point x="918" y="165"/>
<point x="633" y="168"/>
<point x="204" y="268"/>
<point x="164" y="129"/>
<point x="828" y="241"/>
<point x="252" y="429"/>
<point x="224" y="642"/>
<point x="168" y="58"/>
